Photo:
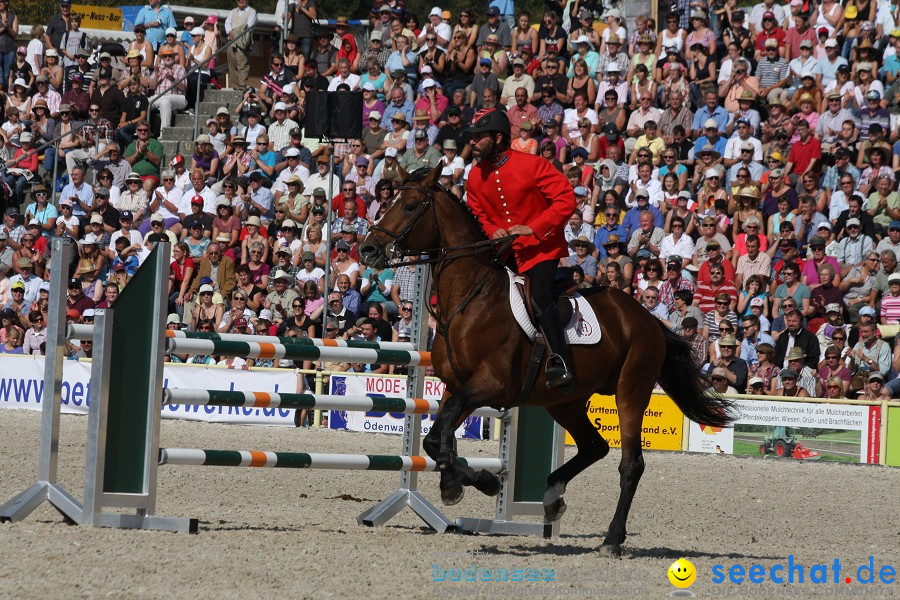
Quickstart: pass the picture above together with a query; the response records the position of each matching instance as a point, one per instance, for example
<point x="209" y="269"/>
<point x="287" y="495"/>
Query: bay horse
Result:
<point x="481" y="353"/>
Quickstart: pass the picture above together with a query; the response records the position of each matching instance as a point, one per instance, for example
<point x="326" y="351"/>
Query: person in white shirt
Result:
<point x="322" y="180"/>
<point x="169" y="201"/>
<point x="344" y="75"/>
<point x="437" y="26"/>
<point x="676" y="243"/>
<point x="309" y="271"/>
<point x="294" y="167"/>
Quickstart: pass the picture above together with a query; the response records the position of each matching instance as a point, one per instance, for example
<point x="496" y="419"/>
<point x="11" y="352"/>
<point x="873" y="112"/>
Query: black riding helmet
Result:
<point x="490" y="119"/>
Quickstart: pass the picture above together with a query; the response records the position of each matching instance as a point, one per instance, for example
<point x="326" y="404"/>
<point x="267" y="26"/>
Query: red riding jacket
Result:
<point x="525" y="190"/>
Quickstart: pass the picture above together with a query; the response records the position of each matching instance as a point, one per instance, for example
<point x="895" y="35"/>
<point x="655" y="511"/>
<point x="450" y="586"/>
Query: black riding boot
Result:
<point x="559" y="364"/>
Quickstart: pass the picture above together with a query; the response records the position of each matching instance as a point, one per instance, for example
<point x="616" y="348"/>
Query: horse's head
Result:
<point x="409" y="225"/>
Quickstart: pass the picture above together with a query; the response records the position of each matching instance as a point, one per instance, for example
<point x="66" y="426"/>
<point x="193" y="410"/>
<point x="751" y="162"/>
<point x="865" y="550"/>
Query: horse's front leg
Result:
<point x="440" y="444"/>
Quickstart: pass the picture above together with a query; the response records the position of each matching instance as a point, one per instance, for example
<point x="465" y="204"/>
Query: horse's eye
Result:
<point x="409" y="207"/>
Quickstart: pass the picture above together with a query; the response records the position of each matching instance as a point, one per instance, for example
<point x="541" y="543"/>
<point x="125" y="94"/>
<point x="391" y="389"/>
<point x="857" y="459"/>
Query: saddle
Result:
<point x="564" y="288"/>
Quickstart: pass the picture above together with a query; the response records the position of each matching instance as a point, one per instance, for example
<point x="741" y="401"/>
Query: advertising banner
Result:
<point x="380" y="422"/>
<point x="836" y="432"/>
<point x="98" y="17"/>
<point x="893" y="436"/>
<point x="706" y="438"/>
<point x="22" y="386"/>
<point x="661" y="430"/>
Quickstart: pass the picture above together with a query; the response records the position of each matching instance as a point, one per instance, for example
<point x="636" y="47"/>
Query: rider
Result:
<point x="513" y="193"/>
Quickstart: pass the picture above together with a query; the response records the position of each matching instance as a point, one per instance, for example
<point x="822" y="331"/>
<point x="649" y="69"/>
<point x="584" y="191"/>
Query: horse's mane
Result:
<point x="474" y="224"/>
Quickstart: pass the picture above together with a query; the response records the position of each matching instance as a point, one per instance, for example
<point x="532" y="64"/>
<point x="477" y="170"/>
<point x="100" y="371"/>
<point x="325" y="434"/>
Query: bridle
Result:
<point x="394" y="250"/>
<point x="439" y="257"/>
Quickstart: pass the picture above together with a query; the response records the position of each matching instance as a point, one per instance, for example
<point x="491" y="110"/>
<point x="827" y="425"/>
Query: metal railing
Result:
<point x="196" y="69"/>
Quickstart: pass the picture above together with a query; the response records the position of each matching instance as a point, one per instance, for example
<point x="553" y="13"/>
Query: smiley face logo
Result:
<point x="682" y="573"/>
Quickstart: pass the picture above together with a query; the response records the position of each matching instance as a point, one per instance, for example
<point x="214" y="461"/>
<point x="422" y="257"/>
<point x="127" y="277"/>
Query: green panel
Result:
<point x="378" y="462"/>
<point x="534" y="454"/>
<point x="893" y="436"/>
<point x="293" y="460"/>
<point x="223" y="458"/>
<point x="131" y="373"/>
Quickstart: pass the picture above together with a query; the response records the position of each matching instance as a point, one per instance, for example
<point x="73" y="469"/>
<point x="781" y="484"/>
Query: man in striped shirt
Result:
<point x="772" y="71"/>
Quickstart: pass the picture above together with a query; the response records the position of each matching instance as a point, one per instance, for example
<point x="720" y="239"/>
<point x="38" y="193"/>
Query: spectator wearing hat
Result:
<point x="25" y="275"/>
<point x="855" y="245"/>
<point x="786" y="385"/>
<point x="483" y="79"/>
<point x="279" y="130"/>
<point x="422" y="155"/>
<point x="289" y="187"/>
<point x="322" y="179"/>
<point x="12" y="227"/>
<point x="421" y="122"/>
<point x="888" y="248"/>
<point x="728" y="365"/>
<point x="674" y="282"/>
<point x="106" y="68"/>
<point x="77" y="98"/>
<point x="169" y="86"/>
<point x="890" y="301"/>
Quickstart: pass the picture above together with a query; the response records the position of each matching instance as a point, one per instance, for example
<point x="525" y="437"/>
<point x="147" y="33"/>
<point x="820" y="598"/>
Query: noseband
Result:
<point x="393" y="250"/>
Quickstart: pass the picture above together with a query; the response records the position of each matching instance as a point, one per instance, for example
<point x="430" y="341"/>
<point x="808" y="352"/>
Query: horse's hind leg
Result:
<point x="632" y="399"/>
<point x="591" y="448"/>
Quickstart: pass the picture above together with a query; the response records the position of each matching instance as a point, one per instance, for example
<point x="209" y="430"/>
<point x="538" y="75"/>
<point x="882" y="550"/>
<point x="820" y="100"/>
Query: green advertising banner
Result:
<point x="893" y="437"/>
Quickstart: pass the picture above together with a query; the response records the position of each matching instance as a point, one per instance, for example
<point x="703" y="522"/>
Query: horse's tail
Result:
<point x="691" y="390"/>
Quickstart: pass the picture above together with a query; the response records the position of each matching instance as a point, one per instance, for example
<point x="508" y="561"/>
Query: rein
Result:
<point x="445" y="255"/>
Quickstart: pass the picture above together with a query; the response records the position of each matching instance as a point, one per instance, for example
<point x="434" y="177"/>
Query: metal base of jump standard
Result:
<point x="123" y="453"/>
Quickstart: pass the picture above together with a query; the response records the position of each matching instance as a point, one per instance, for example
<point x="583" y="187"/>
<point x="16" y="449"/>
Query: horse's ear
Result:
<point x="404" y="176"/>
<point x="432" y="177"/>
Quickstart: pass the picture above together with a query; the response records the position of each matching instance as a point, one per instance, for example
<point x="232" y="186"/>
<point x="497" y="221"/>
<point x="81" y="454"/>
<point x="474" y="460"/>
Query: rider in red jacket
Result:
<point x="512" y="193"/>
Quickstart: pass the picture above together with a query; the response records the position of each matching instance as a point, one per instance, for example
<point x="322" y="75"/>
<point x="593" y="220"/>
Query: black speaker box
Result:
<point x="315" y="122"/>
<point x="345" y="115"/>
<point x="336" y="115"/>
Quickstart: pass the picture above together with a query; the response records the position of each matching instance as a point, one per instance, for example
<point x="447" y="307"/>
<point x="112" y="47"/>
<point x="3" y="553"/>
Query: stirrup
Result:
<point x="559" y="376"/>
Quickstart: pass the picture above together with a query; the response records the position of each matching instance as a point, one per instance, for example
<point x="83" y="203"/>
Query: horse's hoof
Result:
<point x="488" y="484"/>
<point x="611" y="550"/>
<point x="554" y="505"/>
<point x="555" y="510"/>
<point x="453" y="495"/>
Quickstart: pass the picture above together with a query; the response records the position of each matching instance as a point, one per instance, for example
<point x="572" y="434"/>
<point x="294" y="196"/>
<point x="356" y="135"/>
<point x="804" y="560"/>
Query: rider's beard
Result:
<point x="487" y="152"/>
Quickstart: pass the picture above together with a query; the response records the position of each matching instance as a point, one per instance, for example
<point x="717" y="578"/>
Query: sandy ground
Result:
<point x="293" y="534"/>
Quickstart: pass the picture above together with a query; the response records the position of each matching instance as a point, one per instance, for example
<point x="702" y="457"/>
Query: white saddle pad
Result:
<point x="582" y="328"/>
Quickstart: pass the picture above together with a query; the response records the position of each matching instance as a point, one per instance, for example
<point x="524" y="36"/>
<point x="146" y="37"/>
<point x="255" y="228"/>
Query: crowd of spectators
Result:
<point x="735" y="170"/>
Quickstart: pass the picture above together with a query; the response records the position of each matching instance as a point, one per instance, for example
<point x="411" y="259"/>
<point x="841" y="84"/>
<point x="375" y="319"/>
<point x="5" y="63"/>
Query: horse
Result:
<point x="481" y="353"/>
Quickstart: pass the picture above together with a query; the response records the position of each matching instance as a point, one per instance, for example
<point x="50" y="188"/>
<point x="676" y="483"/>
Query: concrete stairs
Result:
<point x="179" y="138"/>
